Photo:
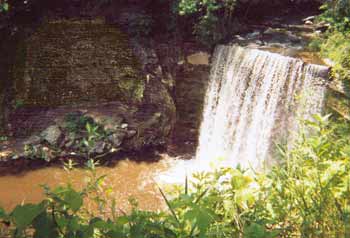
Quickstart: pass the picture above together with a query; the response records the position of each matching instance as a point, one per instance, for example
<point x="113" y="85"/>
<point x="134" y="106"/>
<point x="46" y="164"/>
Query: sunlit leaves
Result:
<point x="4" y="7"/>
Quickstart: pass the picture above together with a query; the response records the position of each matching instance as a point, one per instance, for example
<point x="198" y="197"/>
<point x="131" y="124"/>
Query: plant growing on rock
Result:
<point x="334" y="43"/>
<point x="85" y="135"/>
<point x="214" y="17"/>
<point x="92" y="137"/>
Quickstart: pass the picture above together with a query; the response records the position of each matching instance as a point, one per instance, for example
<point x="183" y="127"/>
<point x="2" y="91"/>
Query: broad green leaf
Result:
<point x="62" y="222"/>
<point x="44" y="226"/>
<point x="73" y="199"/>
<point x="200" y="217"/>
<point x="3" y="214"/>
<point x="100" y="224"/>
<point x="73" y="224"/>
<point x="122" y="220"/>
<point x="23" y="215"/>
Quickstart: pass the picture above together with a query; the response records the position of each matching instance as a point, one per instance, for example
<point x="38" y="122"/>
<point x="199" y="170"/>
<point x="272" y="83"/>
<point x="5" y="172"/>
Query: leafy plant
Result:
<point x="91" y="138"/>
<point x="4" y="6"/>
<point x="76" y="123"/>
<point x="214" y="17"/>
<point x="334" y="44"/>
<point x="337" y="13"/>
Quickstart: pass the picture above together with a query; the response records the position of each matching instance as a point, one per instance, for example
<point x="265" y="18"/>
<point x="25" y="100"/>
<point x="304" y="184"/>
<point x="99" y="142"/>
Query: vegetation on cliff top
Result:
<point x="335" y="42"/>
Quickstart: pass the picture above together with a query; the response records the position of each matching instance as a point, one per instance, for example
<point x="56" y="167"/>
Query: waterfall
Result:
<point x="253" y="99"/>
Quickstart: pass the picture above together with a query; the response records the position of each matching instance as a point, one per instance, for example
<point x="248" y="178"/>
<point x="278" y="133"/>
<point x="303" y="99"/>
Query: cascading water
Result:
<point x="255" y="97"/>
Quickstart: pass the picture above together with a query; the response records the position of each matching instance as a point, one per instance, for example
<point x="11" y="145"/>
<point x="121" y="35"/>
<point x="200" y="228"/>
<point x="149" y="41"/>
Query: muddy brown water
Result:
<point x="124" y="180"/>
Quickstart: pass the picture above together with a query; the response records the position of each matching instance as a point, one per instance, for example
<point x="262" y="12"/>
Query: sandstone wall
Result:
<point x="67" y="62"/>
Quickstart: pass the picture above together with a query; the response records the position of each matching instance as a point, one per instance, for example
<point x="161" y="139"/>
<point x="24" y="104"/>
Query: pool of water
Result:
<point x="125" y="179"/>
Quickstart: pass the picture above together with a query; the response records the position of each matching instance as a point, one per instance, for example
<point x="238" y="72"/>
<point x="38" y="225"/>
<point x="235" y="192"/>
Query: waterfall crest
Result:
<point x="255" y="97"/>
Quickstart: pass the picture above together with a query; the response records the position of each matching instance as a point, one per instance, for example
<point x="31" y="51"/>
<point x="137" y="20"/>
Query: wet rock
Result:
<point x="70" y="139"/>
<point x="116" y="139"/>
<point x="52" y="135"/>
<point x="240" y="38"/>
<point x="110" y="124"/>
<point x="99" y="147"/>
<point x="33" y="140"/>
<point x="131" y="133"/>
<point x="46" y="153"/>
<point x="253" y="35"/>
<point x="259" y="42"/>
<point x="15" y="157"/>
<point x="200" y="58"/>
<point x="322" y="26"/>
<point x="147" y="56"/>
<point x="310" y="18"/>
<point x="308" y="23"/>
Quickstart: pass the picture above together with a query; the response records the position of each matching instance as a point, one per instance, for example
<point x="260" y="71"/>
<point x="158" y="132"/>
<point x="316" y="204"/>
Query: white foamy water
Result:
<point x="255" y="97"/>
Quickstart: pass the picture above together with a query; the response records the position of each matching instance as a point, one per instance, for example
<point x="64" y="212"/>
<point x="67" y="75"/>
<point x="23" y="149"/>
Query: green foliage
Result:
<point x="76" y="123"/>
<point x="337" y="13"/>
<point x="306" y="195"/>
<point x="4" y="7"/>
<point x="85" y="132"/>
<point x="334" y="44"/>
<point x="91" y="138"/>
<point x="310" y="191"/>
<point x="337" y="48"/>
<point x="213" y="17"/>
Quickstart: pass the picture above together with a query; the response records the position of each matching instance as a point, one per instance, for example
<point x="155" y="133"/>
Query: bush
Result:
<point x="337" y="13"/>
<point x="4" y="7"/>
<point x="337" y="48"/>
<point x="213" y="18"/>
<point x="335" y="43"/>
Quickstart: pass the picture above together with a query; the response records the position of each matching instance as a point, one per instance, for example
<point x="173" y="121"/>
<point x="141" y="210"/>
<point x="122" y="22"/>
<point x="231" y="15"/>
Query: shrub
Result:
<point x="337" y="13"/>
<point x="335" y="43"/>
<point x="337" y="47"/>
<point x="213" y="18"/>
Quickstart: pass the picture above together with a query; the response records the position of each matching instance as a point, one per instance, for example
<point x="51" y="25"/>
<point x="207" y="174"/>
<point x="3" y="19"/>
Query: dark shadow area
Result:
<point x="22" y="166"/>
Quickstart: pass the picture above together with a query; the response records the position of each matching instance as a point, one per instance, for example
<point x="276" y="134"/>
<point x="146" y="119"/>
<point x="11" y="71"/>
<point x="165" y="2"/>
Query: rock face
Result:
<point x="79" y="88"/>
<point x="190" y="68"/>
<point x="77" y="61"/>
<point x="191" y="84"/>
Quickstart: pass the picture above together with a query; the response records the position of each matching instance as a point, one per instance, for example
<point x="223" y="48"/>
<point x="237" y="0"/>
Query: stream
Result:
<point x="124" y="180"/>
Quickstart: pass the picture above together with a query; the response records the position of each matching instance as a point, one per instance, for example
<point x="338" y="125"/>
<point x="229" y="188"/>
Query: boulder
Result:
<point x="52" y="134"/>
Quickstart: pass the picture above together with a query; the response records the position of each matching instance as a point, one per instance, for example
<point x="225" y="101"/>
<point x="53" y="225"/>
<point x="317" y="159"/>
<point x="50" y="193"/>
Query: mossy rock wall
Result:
<point x="67" y="62"/>
<point x="7" y="47"/>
